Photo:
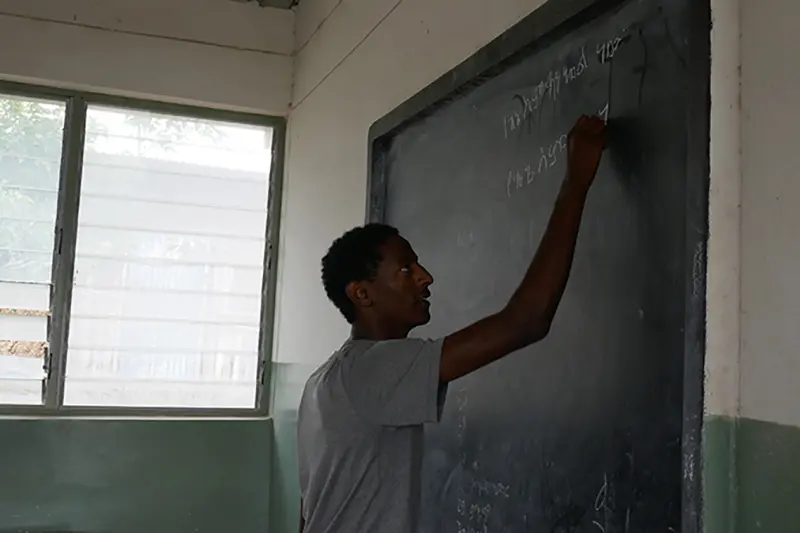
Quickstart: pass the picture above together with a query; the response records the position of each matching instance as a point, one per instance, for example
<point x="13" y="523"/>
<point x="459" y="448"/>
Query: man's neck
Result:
<point x="375" y="332"/>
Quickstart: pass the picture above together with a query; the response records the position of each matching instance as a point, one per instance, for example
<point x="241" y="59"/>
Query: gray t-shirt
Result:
<point x="360" y="435"/>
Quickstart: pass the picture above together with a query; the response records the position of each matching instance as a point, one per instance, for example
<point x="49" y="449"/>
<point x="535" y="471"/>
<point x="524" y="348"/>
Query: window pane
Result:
<point x="31" y="133"/>
<point x="169" y="264"/>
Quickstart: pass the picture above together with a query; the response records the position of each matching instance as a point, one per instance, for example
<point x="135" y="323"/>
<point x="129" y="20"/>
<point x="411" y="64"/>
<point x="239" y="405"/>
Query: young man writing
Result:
<point x="360" y="422"/>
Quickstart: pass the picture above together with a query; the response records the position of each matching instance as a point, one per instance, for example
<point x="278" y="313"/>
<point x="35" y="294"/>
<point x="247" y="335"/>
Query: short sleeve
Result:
<point x="396" y="382"/>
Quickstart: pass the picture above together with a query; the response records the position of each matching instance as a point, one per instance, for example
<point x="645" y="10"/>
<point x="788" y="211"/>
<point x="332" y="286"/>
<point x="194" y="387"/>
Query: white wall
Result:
<point x="770" y="359"/>
<point x="724" y="272"/>
<point x="366" y="58"/>
<point x="753" y="352"/>
<point x="209" y="52"/>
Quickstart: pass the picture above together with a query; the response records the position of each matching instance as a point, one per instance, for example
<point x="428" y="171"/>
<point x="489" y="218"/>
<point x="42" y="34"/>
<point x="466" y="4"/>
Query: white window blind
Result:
<point x="31" y="133"/>
<point x="169" y="268"/>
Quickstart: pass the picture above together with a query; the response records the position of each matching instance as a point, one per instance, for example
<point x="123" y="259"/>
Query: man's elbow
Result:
<point x="528" y="328"/>
<point x="538" y="330"/>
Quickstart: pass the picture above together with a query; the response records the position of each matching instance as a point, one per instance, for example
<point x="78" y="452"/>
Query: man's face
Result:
<point x="399" y="293"/>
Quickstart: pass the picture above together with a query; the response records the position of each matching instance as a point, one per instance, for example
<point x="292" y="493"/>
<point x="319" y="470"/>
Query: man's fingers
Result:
<point x="596" y="124"/>
<point x="590" y="126"/>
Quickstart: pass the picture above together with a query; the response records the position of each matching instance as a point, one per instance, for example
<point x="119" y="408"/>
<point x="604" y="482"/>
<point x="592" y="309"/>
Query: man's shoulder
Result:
<point x="324" y="389"/>
<point x="354" y="349"/>
<point x="321" y="375"/>
<point x="345" y="350"/>
<point x="406" y="344"/>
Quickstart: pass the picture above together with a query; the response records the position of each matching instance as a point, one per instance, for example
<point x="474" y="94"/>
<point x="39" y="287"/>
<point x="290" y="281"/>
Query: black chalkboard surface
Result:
<point x="597" y="427"/>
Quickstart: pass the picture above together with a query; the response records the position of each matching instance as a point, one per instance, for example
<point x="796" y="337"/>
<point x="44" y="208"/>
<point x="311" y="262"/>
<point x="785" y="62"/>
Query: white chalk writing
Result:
<point x="480" y="512"/>
<point x="477" y="496"/>
<point x="461" y="528"/>
<point x="606" y="50"/>
<point x="601" y="506"/>
<point x="547" y="88"/>
<point x="603" y="113"/>
<point x="600" y="499"/>
<point x="574" y="72"/>
<point x="530" y="102"/>
<point x="549" y="155"/>
<point x="461" y="419"/>
<point x="484" y="487"/>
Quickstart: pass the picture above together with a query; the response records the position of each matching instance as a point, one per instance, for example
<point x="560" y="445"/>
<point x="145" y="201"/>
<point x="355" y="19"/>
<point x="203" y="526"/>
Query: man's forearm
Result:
<point x="536" y="300"/>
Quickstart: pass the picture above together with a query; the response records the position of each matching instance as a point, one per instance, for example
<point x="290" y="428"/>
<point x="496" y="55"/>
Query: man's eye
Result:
<point x="405" y="269"/>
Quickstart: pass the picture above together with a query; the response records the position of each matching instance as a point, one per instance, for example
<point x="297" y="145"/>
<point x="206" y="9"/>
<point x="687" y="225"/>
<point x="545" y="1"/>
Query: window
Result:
<point x="155" y="294"/>
<point x="31" y="131"/>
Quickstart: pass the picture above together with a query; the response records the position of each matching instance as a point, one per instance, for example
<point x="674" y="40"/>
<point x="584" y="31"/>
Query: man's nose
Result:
<point x="423" y="276"/>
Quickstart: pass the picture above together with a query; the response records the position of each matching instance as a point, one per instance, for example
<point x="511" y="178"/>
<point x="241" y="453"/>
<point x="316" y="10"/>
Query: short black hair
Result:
<point x="354" y="256"/>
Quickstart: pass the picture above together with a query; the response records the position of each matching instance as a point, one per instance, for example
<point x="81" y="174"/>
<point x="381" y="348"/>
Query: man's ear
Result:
<point x="358" y="294"/>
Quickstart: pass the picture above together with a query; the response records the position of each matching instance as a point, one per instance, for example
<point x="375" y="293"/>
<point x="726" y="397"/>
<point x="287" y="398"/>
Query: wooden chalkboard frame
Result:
<point x="548" y="23"/>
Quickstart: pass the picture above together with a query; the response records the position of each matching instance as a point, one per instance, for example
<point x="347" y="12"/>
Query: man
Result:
<point x="360" y="422"/>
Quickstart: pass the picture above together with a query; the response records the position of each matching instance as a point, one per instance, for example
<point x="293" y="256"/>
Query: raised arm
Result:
<point x="527" y="316"/>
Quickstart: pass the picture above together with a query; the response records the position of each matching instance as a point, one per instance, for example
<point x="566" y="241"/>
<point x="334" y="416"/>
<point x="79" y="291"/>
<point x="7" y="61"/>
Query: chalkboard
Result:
<point x="597" y="427"/>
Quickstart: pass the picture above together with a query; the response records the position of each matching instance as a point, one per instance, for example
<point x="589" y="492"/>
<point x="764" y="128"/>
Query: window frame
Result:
<point x="65" y="242"/>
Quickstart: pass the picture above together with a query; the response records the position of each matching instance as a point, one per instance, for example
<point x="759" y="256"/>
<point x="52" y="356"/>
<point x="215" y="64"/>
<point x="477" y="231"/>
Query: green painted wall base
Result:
<point x="288" y="381"/>
<point x="719" y="479"/>
<point x="751" y="476"/>
<point x="768" y="457"/>
<point x="134" y="476"/>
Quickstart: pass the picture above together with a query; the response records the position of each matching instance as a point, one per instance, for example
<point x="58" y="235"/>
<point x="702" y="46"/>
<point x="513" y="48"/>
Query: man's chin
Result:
<point x="423" y="320"/>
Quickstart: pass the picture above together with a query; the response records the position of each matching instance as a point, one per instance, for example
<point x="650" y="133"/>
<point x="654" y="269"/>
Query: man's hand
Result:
<point x="585" y="146"/>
